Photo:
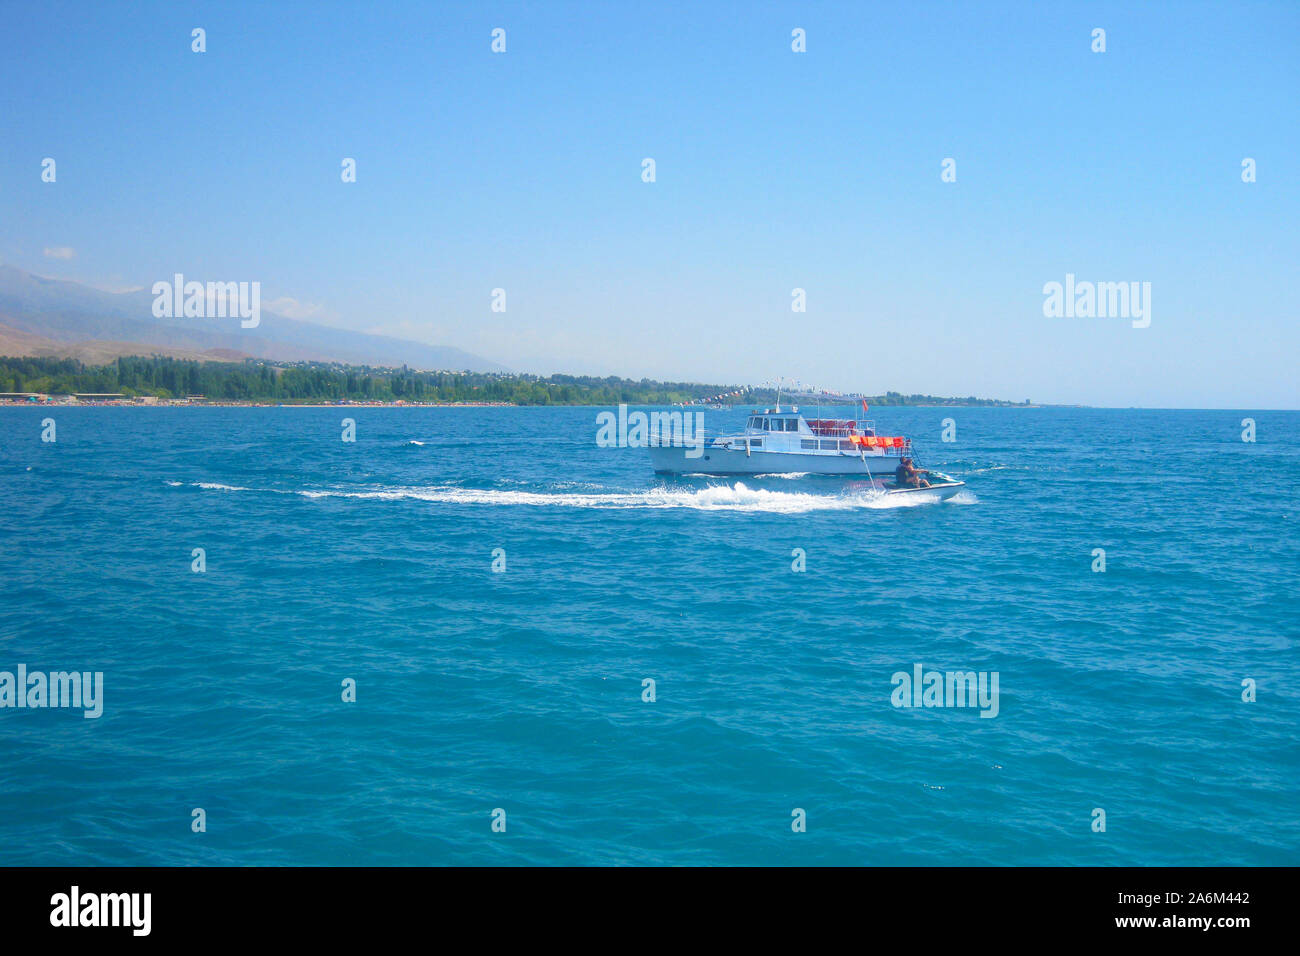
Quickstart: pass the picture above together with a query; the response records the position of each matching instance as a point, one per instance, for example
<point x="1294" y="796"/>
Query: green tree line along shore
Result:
<point x="314" y="382"/>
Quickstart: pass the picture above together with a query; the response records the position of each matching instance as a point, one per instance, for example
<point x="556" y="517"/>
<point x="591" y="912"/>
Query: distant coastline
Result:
<point x="152" y="381"/>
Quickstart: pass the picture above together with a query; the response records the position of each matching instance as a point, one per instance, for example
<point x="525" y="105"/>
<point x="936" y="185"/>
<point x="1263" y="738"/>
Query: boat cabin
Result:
<point x="770" y="421"/>
<point x="788" y="431"/>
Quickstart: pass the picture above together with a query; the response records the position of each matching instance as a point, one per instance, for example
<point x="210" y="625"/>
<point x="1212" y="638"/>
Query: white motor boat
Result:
<point x="781" y="442"/>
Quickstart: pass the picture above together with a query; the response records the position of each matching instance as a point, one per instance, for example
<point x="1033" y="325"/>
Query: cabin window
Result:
<point x="846" y="445"/>
<point x="756" y="443"/>
<point x="753" y="423"/>
<point x="808" y="443"/>
<point x="792" y="424"/>
<point x="829" y="444"/>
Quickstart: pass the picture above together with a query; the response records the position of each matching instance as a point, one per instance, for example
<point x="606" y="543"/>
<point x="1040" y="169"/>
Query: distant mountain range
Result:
<point x="60" y="319"/>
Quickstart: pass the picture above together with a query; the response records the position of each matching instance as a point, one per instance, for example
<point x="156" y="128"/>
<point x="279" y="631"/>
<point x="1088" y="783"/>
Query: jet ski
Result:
<point x="941" y="486"/>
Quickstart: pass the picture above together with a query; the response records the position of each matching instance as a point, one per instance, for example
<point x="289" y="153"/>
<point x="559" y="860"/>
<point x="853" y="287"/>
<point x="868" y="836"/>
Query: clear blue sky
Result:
<point x="775" y="170"/>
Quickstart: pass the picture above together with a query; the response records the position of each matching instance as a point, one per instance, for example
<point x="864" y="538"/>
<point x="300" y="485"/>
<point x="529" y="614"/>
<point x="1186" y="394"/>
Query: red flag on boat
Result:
<point x="864" y="406"/>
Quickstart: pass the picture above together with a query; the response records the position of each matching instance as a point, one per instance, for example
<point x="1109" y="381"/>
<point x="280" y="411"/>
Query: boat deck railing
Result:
<point x="840" y="427"/>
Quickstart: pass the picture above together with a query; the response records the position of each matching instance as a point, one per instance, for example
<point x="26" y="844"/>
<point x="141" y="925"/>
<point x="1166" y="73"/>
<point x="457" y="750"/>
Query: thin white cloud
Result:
<point x="291" y="308"/>
<point x="60" y="252"/>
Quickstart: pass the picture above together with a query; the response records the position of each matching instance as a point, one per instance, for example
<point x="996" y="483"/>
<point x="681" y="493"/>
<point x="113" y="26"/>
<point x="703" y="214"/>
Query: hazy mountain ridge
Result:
<point x="41" y="316"/>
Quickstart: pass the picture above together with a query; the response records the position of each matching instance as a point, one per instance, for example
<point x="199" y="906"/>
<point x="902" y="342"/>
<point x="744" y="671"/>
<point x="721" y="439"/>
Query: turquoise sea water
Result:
<point x="522" y="690"/>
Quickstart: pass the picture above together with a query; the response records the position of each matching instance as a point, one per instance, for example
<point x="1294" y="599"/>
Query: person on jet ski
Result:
<point x="907" y="475"/>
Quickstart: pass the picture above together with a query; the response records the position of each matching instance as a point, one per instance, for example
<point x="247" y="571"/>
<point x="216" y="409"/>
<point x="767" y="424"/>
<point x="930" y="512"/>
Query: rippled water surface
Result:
<point x="522" y="690"/>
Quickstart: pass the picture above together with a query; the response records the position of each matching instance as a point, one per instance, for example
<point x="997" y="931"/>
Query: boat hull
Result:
<point x="672" y="459"/>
